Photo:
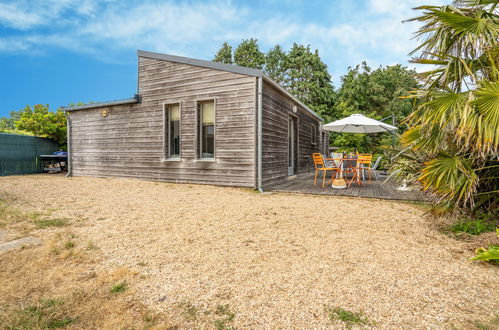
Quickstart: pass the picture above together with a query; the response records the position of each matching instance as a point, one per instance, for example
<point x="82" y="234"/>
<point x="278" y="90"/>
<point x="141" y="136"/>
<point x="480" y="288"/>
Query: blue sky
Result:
<point x="58" y="52"/>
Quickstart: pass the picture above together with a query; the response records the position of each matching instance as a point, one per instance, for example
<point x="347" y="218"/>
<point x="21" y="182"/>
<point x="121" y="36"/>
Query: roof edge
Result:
<point x="134" y="99"/>
<point x="202" y="63"/>
<point x="282" y="89"/>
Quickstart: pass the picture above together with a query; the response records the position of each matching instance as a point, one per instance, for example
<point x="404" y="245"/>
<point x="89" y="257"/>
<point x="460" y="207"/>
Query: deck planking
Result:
<point x="374" y="189"/>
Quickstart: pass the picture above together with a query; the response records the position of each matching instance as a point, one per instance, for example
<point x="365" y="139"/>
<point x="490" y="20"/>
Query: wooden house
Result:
<point x="195" y="121"/>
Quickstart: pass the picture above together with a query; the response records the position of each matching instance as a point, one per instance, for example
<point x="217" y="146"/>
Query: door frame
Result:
<point x="293" y="135"/>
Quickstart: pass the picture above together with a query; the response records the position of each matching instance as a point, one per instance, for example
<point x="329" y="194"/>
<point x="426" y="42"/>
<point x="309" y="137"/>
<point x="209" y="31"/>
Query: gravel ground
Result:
<point x="276" y="260"/>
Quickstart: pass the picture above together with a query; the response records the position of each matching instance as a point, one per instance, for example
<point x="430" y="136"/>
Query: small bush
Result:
<point x="119" y="287"/>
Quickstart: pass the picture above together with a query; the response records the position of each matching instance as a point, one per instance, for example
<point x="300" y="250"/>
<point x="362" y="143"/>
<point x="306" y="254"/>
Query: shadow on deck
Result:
<point x="388" y="190"/>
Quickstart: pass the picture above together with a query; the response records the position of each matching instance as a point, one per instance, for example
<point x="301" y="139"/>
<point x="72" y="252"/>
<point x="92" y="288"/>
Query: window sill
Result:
<point x="171" y="159"/>
<point x="206" y="160"/>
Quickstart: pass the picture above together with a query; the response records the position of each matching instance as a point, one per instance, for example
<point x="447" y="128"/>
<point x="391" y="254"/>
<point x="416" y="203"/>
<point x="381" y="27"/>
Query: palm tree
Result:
<point x="455" y="124"/>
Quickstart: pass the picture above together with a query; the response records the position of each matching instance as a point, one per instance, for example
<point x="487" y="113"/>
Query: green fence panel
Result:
<point x="19" y="154"/>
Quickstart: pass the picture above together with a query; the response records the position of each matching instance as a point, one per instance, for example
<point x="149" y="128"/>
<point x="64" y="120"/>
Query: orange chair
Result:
<point x="365" y="162"/>
<point x="320" y="164"/>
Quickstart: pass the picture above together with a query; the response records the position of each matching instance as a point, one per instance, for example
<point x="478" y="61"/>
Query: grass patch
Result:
<point x="227" y="317"/>
<point x="119" y="287"/>
<point x="46" y="314"/>
<point x="8" y="214"/>
<point x="473" y="227"/>
<point x="477" y="224"/>
<point x="486" y="325"/>
<point x="69" y="244"/>
<point x="46" y="223"/>
<point x="347" y="317"/>
<point x="190" y="311"/>
<point x="221" y="317"/>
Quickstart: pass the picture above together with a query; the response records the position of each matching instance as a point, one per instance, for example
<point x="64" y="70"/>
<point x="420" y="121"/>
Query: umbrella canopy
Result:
<point x="358" y="123"/>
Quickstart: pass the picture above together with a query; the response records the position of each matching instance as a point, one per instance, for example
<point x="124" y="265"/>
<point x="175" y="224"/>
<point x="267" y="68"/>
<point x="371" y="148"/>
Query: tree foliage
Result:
<point x="224" y="54"/>
<point x="375" y="94"/>
<point x="7" y="124"/>
<point x="43" y="123"/>
<point x="308" y="79"/>
<point x="455" y="125"/>
<point x="248" y="54"/>
<point x="275" y="64"/>
<point x="300" y="71"/>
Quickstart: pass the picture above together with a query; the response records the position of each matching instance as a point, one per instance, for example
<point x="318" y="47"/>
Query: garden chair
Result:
<point x="365" y="162"/>
<point x="324" y="165"/>
<point x="374" y="169"/>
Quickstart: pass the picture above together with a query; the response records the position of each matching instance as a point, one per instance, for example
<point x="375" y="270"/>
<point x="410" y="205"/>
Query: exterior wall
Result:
<point x="277" y="107"/>
<point x="128" y="142"/>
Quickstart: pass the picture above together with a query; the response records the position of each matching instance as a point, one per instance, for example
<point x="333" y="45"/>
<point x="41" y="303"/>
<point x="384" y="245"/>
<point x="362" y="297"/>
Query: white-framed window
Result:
<point x="206" y="129"/>
<point x="172" y="139"/>
<point x="313" y="132"/>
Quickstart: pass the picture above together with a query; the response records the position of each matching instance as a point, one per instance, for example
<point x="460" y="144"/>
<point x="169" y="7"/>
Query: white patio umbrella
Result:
<point x="358" y="123"/>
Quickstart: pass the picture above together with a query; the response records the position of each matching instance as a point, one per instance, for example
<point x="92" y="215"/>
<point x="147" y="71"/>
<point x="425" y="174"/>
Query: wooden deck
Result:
<point x="305" y="185"/>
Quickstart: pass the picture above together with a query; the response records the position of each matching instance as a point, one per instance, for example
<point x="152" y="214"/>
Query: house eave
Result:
<point x="202" y="63"/>
<point x="132" y="100"/>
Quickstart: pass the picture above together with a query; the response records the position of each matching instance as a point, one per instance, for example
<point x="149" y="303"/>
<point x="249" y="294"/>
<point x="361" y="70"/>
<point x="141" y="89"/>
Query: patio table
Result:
<point x="349" y="162"/>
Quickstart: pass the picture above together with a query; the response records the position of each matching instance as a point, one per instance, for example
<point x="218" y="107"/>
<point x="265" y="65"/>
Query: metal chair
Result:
<point x="324" y="165"/>
<point x="374" y="169"/>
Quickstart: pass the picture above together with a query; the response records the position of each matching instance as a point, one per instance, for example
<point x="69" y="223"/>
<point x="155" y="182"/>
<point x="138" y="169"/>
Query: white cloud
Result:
<point x="369" y="31"/>
<point x="17" y="16"/>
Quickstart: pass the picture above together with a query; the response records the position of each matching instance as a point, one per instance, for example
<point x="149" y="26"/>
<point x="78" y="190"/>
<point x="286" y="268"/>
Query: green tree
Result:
<point x="300" y="71"/>
<point x="275" y="64"/>
<point x="43" y="123"/>
<point x="7" y="123"/>
<point x="375" y="94"/>
<point x="455" y="125"/>
<point x="248" y="54"/>
<point x="308" y="79"/>
<point x="224" y="54"/>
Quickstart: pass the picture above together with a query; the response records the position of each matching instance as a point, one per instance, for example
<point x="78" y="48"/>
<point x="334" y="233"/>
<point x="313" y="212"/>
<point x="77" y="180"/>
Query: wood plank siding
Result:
<point x="277" y="108"/>
<point x="129" y="140"/>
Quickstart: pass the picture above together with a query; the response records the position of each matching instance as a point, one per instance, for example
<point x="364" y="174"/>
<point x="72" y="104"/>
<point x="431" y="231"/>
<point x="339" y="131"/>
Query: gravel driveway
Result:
<point x="276" y="260"/>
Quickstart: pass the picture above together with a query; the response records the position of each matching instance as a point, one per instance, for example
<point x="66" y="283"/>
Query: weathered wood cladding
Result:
<point x="128" y="141"/>
<point x="276" y="110"/>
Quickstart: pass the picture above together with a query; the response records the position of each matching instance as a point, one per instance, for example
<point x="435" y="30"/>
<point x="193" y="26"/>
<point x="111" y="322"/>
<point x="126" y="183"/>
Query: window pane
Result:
<point x="174" y="112"/>
<point x="174" y="130"/>
<point x="208" y="113"/>
<point x="208" y="141"/>
<point x="174" y="138"/>
<point x="207" y="129"/>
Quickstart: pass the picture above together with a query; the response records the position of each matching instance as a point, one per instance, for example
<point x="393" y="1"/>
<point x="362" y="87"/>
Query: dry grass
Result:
<point x="223" y="257"/>
<point x="60" y="285"/>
